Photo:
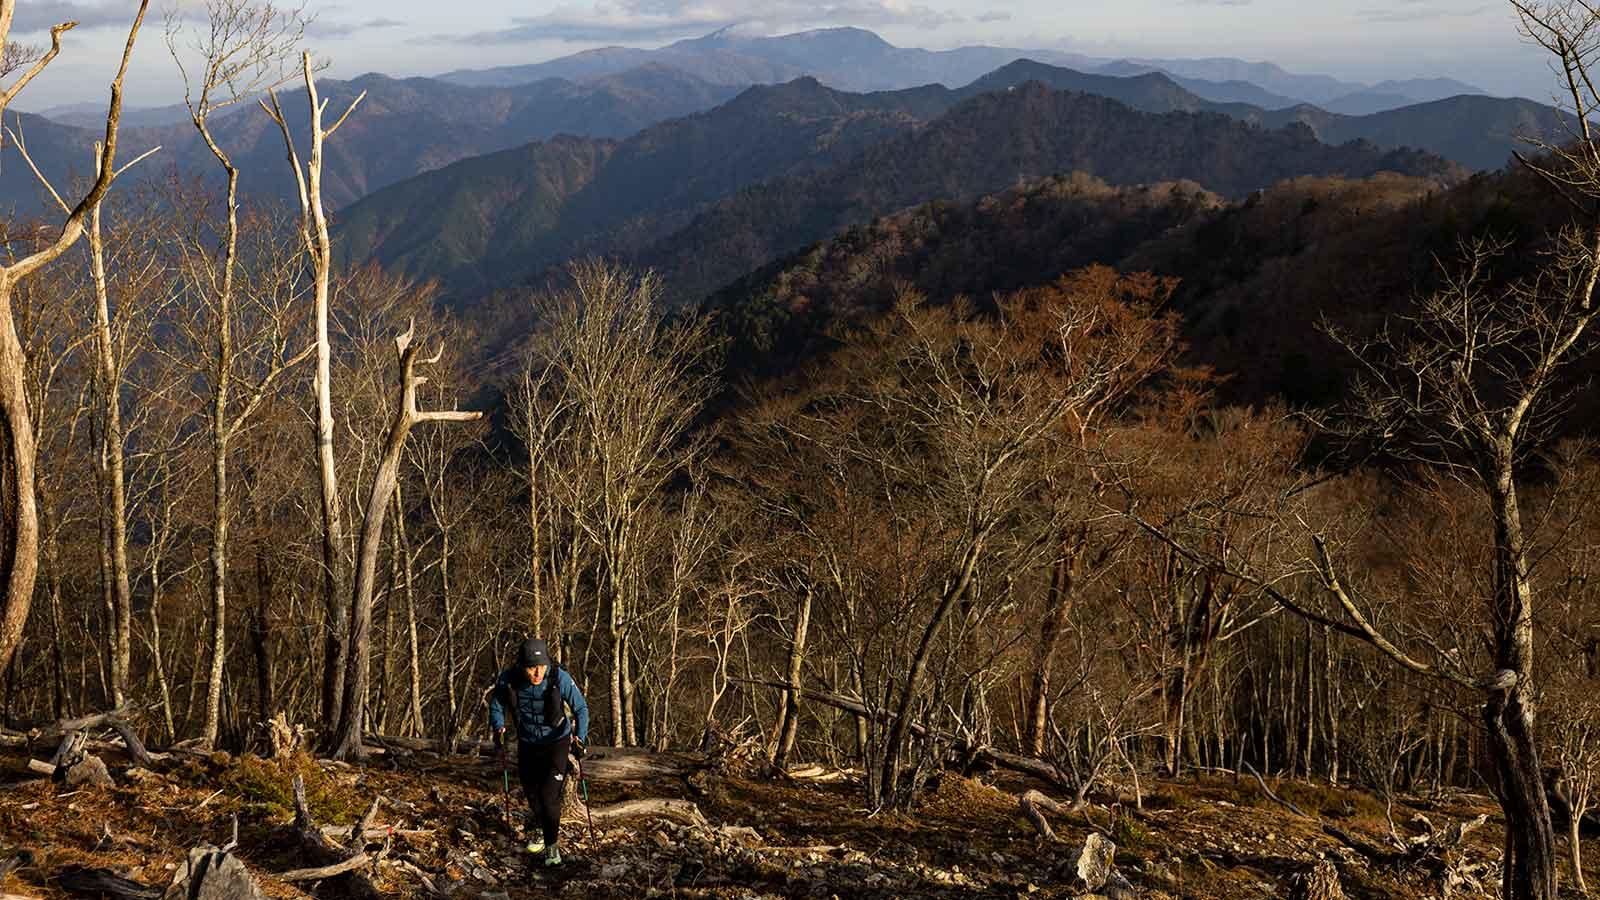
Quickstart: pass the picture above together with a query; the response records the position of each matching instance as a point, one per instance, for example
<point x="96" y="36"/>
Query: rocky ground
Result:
<point x="439" y="831"/>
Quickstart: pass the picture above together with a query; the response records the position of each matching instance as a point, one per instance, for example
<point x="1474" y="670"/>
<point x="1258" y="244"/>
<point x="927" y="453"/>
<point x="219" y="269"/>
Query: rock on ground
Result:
<point x="212" y="874"/>
<point x="90" y="771"/>
<point x="1094" y="861"/>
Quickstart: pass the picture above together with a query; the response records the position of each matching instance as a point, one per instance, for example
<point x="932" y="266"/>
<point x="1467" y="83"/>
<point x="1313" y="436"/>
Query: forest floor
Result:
<point x="444" y="834"/>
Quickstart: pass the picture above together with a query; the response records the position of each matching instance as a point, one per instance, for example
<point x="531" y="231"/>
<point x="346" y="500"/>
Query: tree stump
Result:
<point x="284" y="740"/>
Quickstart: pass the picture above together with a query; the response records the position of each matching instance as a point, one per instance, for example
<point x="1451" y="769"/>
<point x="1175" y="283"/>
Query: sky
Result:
<point x="1358" y="40"/>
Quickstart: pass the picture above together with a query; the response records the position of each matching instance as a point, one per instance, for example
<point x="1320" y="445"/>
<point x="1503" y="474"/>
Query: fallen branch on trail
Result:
<point x="1025" y="765"/>
<point x="817" y="774"/>
<point x="682" y="811"/>
<point x="1262" y="782"/>
<point x="611" y="764"/>
<point x="318" y="873"/>
<point x="1034" y="804"/>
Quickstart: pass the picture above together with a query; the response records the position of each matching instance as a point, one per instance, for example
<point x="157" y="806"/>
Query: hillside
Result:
<point x="788" y="312"/>
<point x="1478" y="132"/>
<point x="648" y="185"/>
<point x="439" y="828"/>
<point x="1257" y="279"/>
<point x="505" y="200"/>
<point x="991" y="142"/>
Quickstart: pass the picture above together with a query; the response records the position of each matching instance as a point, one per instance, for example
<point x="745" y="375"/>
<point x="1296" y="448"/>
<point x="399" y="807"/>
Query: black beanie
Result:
<point x="534" y="652"/>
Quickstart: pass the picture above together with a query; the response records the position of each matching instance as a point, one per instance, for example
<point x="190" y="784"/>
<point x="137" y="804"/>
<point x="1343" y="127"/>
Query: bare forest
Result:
<point x="262" y="509"/>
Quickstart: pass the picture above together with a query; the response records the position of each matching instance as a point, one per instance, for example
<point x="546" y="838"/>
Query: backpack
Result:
<point x="552" y="701"/>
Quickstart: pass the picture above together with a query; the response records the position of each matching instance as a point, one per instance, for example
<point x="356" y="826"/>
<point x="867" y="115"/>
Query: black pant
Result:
<point x="543" y="770"/>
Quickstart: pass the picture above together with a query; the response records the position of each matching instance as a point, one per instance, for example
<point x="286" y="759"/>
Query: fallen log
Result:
<point x="1025" y="765"/>
<point x="612" y="764"/>
<point x="318" y="873"/>
<point x="68" y="729"/>
<point x="682" y="811"/>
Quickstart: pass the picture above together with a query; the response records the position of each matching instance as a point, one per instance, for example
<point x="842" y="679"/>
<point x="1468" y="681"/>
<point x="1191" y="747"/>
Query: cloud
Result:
<point x="319" y="28"/>
<point x="1422" y="10"/>
<point x="39" y="16"/>
<point x="661" y="20"/>
<point x="993" y="17"/>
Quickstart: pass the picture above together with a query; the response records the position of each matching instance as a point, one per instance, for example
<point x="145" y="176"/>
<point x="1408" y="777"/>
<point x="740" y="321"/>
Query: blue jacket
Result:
<point x="529" y="713"/>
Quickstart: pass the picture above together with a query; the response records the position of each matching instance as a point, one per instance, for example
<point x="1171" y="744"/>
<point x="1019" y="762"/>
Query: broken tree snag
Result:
<point x="283" y="739"/>
<point x="69" y="753"/>
<point x="332" y="860"/>
<point x="1034" y="804"/>
<point x="681" y="811"/>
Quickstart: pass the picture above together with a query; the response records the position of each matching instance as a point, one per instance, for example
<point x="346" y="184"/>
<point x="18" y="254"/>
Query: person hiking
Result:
<point x="535" y="691"/>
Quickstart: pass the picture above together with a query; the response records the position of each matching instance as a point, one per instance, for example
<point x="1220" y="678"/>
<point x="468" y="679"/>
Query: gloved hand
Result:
<point x="500" y="739"/>
<point x="577" y="749"/>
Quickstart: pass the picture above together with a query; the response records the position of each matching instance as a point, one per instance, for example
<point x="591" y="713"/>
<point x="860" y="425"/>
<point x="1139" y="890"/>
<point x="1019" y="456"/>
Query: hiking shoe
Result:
<point x="552" y="856"/>
<point x="535" y="845"/>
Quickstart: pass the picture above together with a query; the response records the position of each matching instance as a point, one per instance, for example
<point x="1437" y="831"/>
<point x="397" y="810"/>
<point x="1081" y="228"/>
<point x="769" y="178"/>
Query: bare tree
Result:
<point x="19" y="531"/>
<point x="244" y="49"/>
<point x="347" y="735"/>
<point x="319" y="246"/>
<point x="627" y="387"/>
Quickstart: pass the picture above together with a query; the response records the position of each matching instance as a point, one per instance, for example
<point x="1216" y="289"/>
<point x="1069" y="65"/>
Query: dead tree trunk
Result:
<point x="1058" y="606"/>
<point x="413" y="656"/>
<point x="347" y="735"/>
<point x="318" y="244"/>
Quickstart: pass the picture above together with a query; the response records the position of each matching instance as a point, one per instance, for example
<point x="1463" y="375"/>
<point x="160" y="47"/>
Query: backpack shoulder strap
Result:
<point x="555" y="712"/>
<point x="509" y="700"/>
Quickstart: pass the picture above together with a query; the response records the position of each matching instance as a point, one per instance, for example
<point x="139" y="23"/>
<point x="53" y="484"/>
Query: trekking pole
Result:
<point x="505" y="786"/>
<point x="583" y="786"/>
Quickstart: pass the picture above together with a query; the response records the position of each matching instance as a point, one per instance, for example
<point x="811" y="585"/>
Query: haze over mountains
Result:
<point x="853" y="59"/>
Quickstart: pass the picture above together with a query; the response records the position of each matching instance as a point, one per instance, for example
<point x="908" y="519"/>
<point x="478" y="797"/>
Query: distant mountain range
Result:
<point x="707" y="198"/>
<point x="854" y="59"/>
<point x="408" y="127"/>
<point x="403" y="128"/>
